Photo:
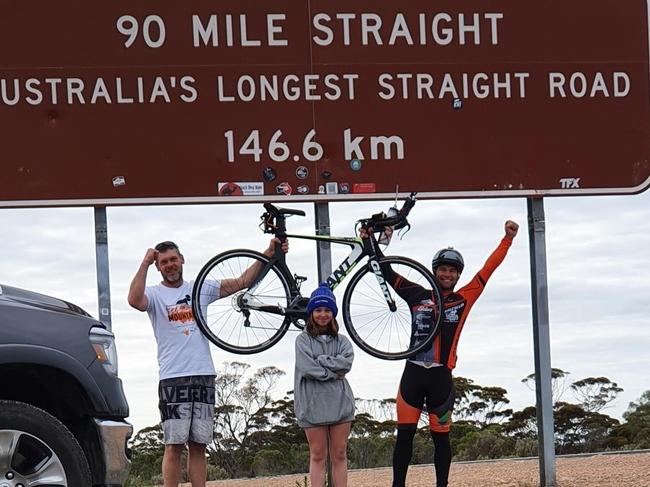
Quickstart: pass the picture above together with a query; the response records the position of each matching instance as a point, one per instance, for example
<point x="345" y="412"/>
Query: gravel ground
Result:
<point x="628" y="470"/>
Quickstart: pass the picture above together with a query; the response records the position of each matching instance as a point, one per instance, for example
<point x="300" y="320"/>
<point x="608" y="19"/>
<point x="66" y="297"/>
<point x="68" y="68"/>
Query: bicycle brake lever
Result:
<point x="403" y="232"/>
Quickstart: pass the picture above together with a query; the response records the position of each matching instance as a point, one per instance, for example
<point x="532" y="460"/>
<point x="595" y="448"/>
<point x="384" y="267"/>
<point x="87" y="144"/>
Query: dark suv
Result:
<point x="62" y="406"/>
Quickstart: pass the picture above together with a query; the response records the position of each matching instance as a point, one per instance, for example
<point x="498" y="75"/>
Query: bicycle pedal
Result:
<point x="299" y="279"/>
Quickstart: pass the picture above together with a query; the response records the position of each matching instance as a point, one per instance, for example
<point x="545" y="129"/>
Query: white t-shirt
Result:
<point x="182" y="349"/>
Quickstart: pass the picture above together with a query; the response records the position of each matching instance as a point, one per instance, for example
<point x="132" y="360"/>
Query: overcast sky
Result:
<point x="598" y="267"/>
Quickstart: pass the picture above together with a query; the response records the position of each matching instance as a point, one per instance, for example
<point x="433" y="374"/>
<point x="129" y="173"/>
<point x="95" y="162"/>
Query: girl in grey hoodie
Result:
<point x="323" y="399"/>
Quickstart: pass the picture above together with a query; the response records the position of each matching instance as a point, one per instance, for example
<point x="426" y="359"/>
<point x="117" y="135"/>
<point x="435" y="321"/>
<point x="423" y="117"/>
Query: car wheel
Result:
<point x="37" y="449"/>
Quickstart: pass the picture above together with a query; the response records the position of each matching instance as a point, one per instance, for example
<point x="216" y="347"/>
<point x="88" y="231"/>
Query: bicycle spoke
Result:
<point x="372" y="325"/>
<point x="271" y="327"/>
<point x="369" y="323"/>
<point x="224" y="321"/>
<point x="227" y="319"/>
<point x="381" y="300"/>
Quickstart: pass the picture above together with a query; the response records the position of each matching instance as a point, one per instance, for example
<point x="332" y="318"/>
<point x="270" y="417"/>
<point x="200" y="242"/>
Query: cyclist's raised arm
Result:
<point x="473" y="289"/>
<point x="232" y="285"/>
<point x="496" y="258"/>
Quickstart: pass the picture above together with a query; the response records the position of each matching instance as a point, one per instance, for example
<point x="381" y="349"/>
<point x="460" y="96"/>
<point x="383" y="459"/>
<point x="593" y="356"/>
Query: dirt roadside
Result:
<point x="629" y="470"/>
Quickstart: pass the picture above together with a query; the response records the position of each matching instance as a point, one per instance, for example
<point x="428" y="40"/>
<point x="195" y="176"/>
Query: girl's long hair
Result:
<point x="314" y="330"/>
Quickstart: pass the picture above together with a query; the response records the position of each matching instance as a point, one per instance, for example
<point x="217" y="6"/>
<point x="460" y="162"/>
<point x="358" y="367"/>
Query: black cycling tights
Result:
<point x="404" y="450"/>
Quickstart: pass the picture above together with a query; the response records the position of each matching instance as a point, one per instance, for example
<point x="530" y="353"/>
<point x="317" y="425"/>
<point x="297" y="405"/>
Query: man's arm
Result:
<point x="511" y="229"/>
<point x="230" y="286"/>
<point x="137" y="297"/>
<point x="475" y="287"/>
<point x="496" y="258"/>
<point x="403" y="287"/>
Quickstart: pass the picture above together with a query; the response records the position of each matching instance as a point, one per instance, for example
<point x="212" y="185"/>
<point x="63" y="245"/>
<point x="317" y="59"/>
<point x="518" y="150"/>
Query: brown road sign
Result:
<point x="168" y="102"/>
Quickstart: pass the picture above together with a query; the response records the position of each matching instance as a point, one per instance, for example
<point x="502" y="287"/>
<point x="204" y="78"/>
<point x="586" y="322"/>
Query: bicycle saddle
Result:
<point x="282" y="211"/>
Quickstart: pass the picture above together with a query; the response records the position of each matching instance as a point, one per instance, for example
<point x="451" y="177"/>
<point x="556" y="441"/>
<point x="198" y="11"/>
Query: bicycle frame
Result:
<point x="297" y="308"/>
<point x="265" y="297"/>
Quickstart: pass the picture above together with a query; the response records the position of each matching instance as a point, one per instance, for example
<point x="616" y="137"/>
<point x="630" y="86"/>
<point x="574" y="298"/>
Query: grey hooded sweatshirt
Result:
<point x="322" y="395"/>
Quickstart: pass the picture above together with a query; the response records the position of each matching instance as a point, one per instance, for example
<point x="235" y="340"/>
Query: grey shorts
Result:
<point x="187" y="409"/>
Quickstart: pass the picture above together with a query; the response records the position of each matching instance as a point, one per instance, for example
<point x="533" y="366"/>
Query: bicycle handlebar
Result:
<point x="380" y="221"/>
<point x="273" y="218"/>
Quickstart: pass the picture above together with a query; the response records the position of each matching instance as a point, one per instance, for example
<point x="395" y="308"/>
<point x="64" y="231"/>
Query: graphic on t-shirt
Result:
<point x="181" y="317"/>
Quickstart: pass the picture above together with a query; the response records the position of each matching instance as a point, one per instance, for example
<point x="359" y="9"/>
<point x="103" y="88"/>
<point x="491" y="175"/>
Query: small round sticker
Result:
<point x="269" y="174"/>
<point x="302" y="172"/>
<point x="355" y="164"/>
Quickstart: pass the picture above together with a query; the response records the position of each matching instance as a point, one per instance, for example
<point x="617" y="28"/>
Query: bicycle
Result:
<point x="258" y="313"/>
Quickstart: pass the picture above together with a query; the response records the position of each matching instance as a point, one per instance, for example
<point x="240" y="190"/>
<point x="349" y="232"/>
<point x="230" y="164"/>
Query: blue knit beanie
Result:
<point x="322" y="297"/>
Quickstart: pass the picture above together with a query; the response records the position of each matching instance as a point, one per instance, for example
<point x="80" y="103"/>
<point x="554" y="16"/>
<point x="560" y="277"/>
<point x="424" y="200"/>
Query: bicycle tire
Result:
<point x="223" y="321"/>
<point x="376" y="329"/>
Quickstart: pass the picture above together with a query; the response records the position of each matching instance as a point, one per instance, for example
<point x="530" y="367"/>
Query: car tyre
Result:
<point x="33" y="443"/>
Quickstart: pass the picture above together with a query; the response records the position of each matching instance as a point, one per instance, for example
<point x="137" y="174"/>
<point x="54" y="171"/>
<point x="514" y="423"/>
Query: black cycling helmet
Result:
<point x="448" y="256"/>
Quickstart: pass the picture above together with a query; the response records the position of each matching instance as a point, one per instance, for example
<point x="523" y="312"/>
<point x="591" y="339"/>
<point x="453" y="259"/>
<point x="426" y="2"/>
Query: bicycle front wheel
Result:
<point x="227" y="310"/>
<point x="393" y="334"/>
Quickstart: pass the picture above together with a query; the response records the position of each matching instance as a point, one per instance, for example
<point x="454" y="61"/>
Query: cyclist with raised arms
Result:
<point x="427" y="377"/>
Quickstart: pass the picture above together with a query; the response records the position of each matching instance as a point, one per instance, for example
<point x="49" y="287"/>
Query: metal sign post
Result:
<point x="324" y="263"/>
<point x="541" y="332"/>
<point x="101" y="263"/>
<point x="323" y="249"/>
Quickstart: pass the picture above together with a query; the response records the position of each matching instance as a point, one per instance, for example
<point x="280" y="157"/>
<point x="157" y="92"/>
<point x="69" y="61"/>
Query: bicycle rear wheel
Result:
<point x="230" y="322"/>
<point x="386" y="334"/>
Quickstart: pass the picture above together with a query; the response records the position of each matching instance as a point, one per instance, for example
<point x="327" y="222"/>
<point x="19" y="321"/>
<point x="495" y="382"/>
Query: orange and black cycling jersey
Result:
<point x="456" y="308"/>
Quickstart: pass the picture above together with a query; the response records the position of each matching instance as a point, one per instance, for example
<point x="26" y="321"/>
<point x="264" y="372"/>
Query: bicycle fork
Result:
<point x="383" y="285"/>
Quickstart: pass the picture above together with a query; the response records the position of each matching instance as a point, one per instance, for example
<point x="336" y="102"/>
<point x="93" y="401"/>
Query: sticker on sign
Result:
<point x="241" y="189"/>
